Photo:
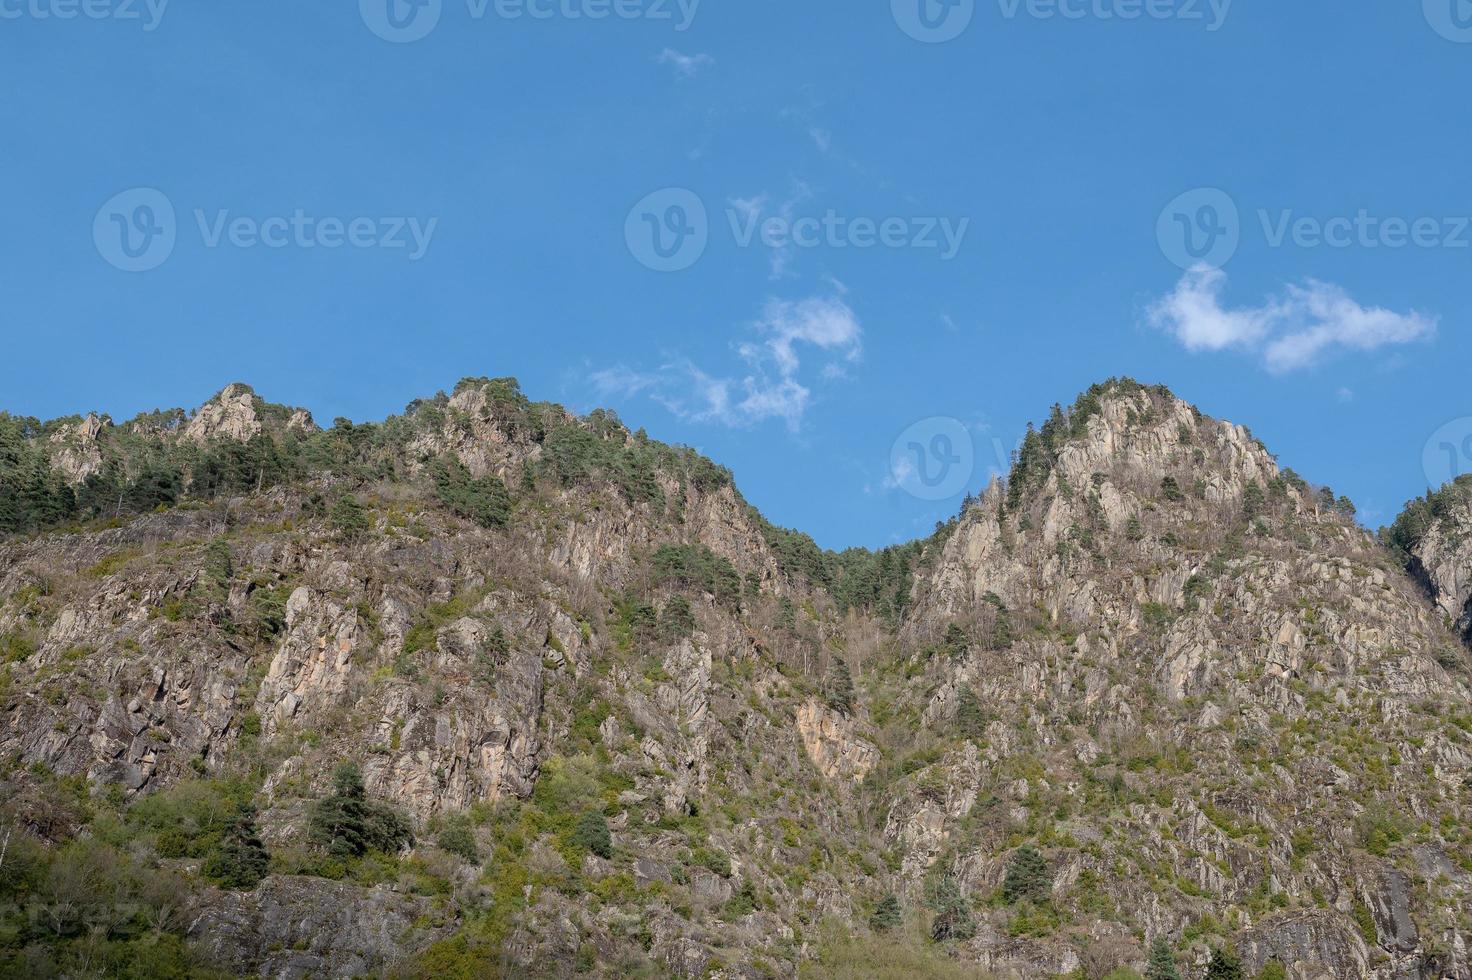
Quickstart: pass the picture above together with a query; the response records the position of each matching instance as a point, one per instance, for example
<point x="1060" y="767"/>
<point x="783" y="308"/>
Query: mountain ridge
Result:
<point x="1152" y="687"/>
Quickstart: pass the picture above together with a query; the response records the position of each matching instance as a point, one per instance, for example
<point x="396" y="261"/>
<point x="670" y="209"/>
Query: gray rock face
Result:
<point x="229" y="415"/>
<point x="296" y="928"/>
<point x="1443" y="558"/>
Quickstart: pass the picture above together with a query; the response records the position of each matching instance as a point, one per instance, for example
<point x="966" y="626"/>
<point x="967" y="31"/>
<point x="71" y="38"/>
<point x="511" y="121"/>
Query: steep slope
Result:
<point x="1208" y="693"/>
<point x="1152" y="687"/>
<point x="1434" y="535"/>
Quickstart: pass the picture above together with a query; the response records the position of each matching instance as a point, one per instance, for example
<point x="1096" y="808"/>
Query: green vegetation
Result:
<point x="1162" y="965"/>
<point x="886" y="914"/>
<point x="347" y="824"/>
<point x="838" y="689"/>
<point x="240" y="859"/>
<point x="485" y="501"/>
<point x="592" y="834"/>
<point x="1224" y="965"/>
<point x="953" y="919"/>
<point x="1416" y="519"/>
<point x="1029" y="878"/>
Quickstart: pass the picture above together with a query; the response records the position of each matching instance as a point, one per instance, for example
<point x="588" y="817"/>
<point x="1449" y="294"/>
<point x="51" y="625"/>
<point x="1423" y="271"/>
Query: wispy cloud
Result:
<point x="774" y="383"/>
<point x="685" y="65"/>
<point x="1294" y="330"/>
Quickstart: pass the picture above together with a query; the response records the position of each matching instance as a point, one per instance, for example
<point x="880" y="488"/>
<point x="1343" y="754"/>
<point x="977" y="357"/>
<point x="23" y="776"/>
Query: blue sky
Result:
<point x="984" y="223"/>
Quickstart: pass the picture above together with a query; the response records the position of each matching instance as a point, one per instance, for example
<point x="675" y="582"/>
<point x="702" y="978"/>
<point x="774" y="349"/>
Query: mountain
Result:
<point x="490" y="689"/>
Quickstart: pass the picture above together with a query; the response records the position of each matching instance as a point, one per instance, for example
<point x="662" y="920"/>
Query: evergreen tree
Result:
<point x="840" y="687"/>
<point x="347" y="517"/>
<point x="1162" y="964"/>
<point x="953" y="919"/>
<point x="1224" y="965"/>
<point x="239" y="860"/>
<point x="886" y="914"/>
<point x="348" y="824"/>
<point x="1028" y="877"/>
<point x="677" y="621"/>
<point x="970" y="719"/>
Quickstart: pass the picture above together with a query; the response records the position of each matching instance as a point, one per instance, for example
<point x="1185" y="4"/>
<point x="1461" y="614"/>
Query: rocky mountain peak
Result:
<point x="231" y="414"/>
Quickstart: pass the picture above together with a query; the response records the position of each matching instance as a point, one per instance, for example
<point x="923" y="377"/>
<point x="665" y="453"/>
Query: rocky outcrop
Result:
<point x="1442" y="558"/>
<point x="77" y="452"/>
<point x="832" y="743"/>
<point x="229" y="415"/>
<point x="296" y="928"/>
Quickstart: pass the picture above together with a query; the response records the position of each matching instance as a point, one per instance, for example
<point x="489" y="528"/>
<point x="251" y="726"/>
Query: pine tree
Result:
<point x="840" y="687"/>
<point x="239" y="860"/>
<point x="347" y="517"/>
<point x="348" y="824"/>
<point x="1028" y="877"/>
<point x="886" y="914"/>
<point x="1162" y="964"/>
<point x="953" y="918"/>
<point x="1224" y="965"/>
<point x="677" y="621"/>
<point x="970" y="719"/>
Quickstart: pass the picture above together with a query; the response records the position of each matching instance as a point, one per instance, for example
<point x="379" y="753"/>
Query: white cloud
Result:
<point x="685" y="65"/>
<point x="773" y="386"/>
<point x="1292" y="331"/>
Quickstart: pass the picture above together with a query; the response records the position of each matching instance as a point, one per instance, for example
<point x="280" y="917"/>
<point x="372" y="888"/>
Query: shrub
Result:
<point x="457" y="839"/>
<point x="592" y="834"/>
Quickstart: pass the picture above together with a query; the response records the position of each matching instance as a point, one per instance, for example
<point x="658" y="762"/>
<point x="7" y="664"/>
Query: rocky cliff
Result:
<point x="1152" y="687"/>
